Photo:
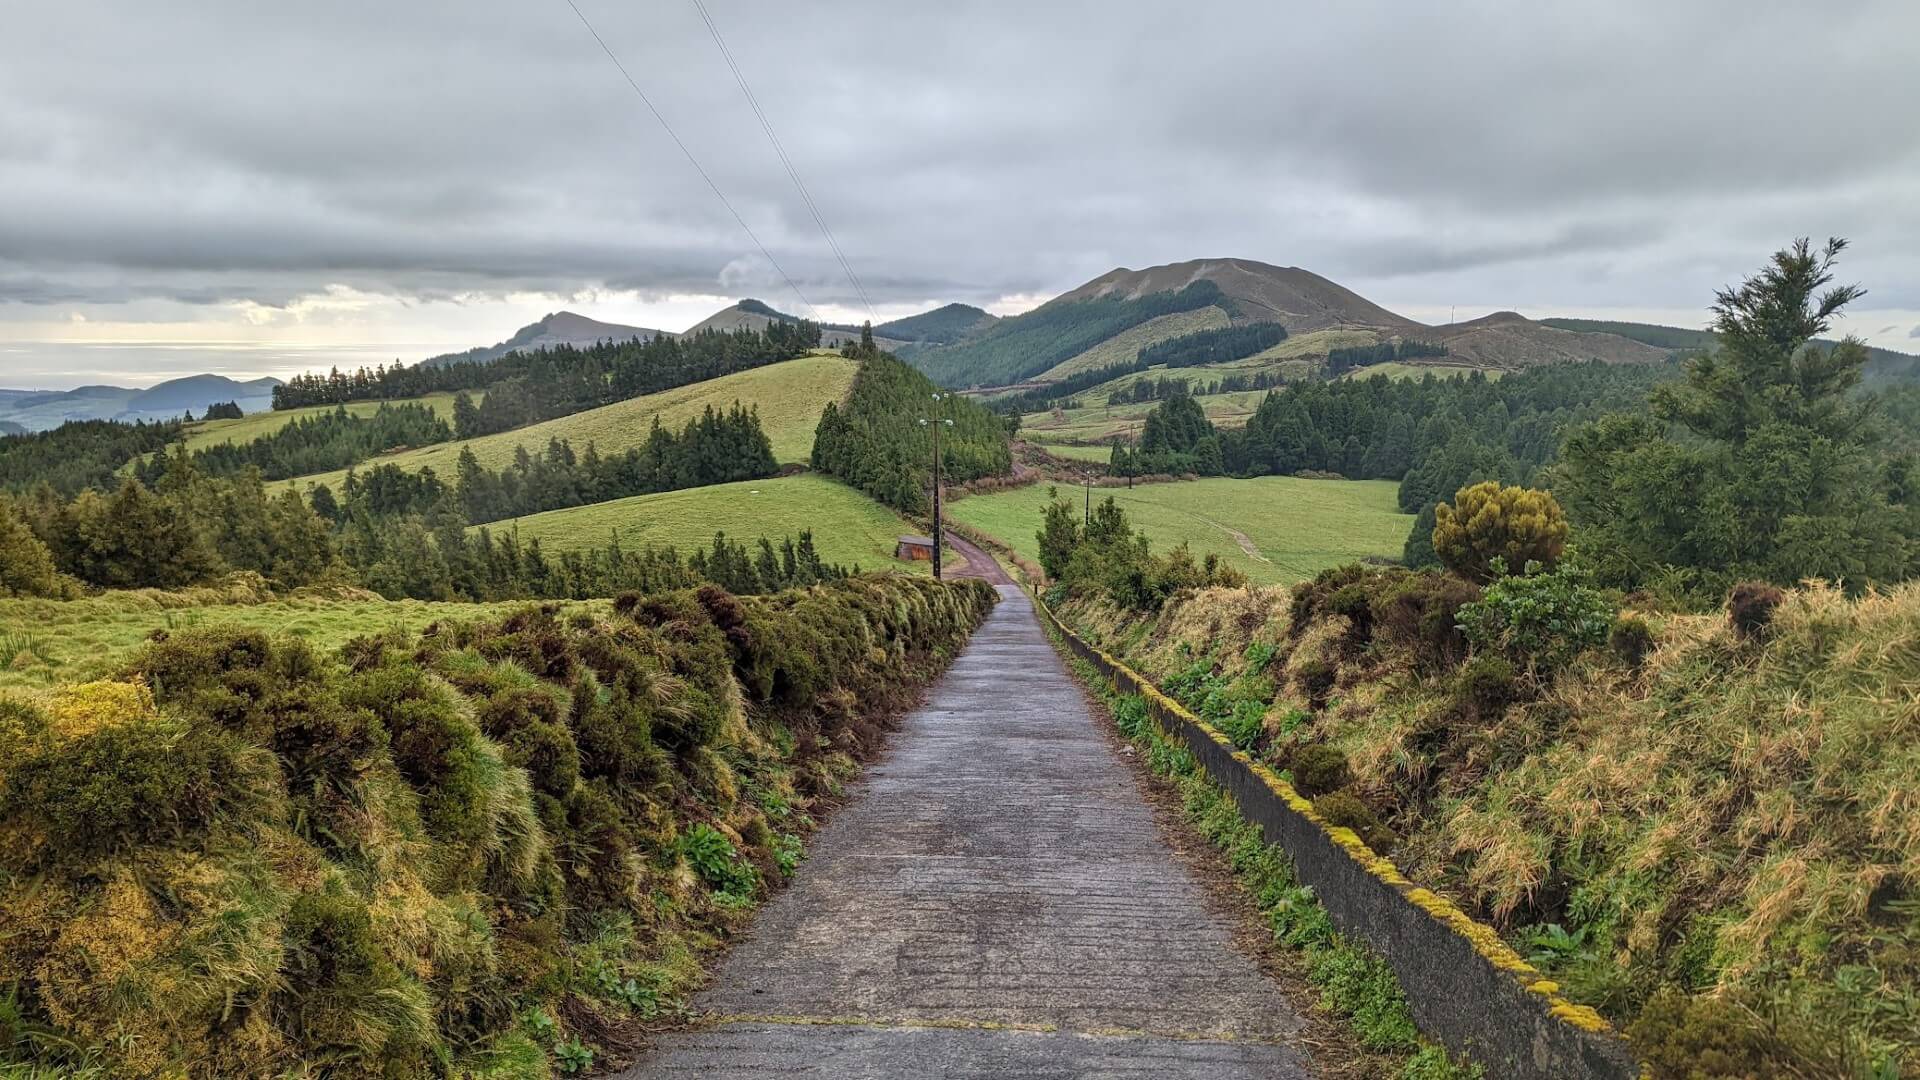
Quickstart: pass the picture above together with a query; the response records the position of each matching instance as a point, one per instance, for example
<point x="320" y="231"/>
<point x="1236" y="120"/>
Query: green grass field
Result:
<point x="1099" y="454"/>
<point x="204" y="433"/>
<point x="1124" y="347"/>
<point x="1396" y="371"/>
<point x="1097" y="423"/>
<point x="790" y="396"/>
<point x="848" y="528"/>
<point x="1314" y="343"/>
<point x="1275" y="528"/>
<point x="43" y="642"/>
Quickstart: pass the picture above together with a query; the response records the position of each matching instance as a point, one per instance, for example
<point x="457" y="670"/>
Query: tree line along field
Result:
<point x="48" y="642"/>
<point x="204" y="433"/>
<point x="789" y="396"/>
<point x="848" y="527"/>
<point x="1275" y="529"/>
<point x="1123" y="347"/>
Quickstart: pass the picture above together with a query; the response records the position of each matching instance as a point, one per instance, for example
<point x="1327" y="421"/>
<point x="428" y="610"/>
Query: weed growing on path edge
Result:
<point x="1355" y="983"/>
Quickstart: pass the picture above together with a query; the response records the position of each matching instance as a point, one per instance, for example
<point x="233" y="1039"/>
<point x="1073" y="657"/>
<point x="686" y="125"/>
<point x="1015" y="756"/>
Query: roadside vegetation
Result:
<point x="1355" y="983"/>
<point x="1663" y="738"/>
<point x="485" y="849"/>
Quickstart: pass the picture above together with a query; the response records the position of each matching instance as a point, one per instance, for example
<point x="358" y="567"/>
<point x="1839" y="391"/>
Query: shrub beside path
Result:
<point x="994" y="900"/>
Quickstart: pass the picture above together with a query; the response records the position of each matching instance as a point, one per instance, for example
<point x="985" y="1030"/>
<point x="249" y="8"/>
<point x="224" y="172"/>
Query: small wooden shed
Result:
<point x="914" y="549"/>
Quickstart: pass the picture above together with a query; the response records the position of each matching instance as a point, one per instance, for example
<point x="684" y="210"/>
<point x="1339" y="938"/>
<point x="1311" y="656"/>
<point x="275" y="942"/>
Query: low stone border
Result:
<point x="1467" y="989"/>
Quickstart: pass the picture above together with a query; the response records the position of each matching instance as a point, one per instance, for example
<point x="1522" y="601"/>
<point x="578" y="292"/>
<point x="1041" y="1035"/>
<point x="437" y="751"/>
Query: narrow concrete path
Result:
<point x="995" y="900"/>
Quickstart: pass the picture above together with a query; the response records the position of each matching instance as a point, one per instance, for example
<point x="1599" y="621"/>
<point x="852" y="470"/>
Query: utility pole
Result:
<point x="936" y="422"/>
<point x="1086" y="514"/>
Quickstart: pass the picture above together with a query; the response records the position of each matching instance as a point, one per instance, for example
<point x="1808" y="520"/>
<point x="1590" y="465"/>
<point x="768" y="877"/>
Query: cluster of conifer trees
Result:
<point x="1221" y="346"/>
<point x="1345" y="359"/>
<point x="717" y="448"/>
<point x="79" y="454"/>
<point x="312" y="444"/>
<point x="1431" y="432"/>
<point x="877" y="443"/>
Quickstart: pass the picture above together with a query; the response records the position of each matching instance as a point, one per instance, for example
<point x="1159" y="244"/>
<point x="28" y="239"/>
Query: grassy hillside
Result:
<point x="1303" y="346"/>
<point x="1097" y="454"/>
<point x="790" y="396"/>
<point x="1709" y="835"/>
<point x="204" y="433"/>
<point x="1274" y="528"/>
<point x="1124" y="347"/>
<point x="847" y="526"/>
<point x="1882" y="364"/>
<point x="1095" y="422"/>
<point x="1395" y="369"/>
<point x="43" y="642"/>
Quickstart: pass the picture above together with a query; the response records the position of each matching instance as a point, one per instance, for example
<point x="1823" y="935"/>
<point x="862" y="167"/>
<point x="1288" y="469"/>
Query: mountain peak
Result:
<point x="553" y="329"/>
<point x="1298" y="299"/>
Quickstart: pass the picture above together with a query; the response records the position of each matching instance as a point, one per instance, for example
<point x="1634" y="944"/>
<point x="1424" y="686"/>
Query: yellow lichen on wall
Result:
<point x="1485" y="941"/>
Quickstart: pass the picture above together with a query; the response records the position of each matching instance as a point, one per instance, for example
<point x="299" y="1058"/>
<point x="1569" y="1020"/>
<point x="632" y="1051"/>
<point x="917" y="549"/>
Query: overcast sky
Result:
<point x="255" y="187"/>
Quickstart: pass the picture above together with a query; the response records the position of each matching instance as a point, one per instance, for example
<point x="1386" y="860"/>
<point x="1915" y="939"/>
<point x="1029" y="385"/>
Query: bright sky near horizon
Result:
<point x="213" y="185"/>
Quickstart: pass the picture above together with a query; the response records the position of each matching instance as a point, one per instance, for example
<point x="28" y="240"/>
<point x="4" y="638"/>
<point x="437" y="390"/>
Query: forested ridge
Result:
<point x="1387" y="429"/>
<point x="565" y="379"/>
<point x="401" y="533"/>
<point x="1026" y="345"/>
<point x="315" y="444"/>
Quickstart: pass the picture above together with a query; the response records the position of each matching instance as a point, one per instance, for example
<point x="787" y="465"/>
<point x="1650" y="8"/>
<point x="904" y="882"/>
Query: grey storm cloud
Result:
<point x="1607" y="152"/>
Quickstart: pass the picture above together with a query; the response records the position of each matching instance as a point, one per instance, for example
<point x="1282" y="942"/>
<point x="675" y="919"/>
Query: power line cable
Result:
<point x="691" y="160"/>
<point x="753" y="102"/>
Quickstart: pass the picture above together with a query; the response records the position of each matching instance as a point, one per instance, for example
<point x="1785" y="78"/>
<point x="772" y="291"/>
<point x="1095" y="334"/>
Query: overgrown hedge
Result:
<point x="1703" y="826"/>
<point x="472" y="852"/>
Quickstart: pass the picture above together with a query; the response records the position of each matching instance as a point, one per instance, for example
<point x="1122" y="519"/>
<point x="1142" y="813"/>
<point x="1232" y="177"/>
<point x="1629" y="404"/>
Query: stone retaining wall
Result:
<point x="1468" y="990"/>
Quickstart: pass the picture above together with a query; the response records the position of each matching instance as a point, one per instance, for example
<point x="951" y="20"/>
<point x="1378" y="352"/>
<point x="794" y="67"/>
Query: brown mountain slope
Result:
<point x="1298" y="299"/>
<point x="1509" y="340"/>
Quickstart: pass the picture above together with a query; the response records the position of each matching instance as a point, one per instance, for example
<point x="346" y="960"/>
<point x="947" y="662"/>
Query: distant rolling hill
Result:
<point x="559" y="328"/>
<point x="1110" y="319"/>
<point x="40" y="410"/>
<point x="789" y="395"/>
<point x="752" y="314"/>
<point x="941" y="326"/>
<point x="1882" y="364"/>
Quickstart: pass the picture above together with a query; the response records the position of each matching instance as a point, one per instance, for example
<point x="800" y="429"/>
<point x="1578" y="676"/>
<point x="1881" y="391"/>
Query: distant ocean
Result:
<point x="63" y="365"/>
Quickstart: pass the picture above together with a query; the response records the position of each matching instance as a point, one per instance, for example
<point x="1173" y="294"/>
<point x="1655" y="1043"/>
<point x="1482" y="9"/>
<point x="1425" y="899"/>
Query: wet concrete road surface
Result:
<point x="995" y="900"/>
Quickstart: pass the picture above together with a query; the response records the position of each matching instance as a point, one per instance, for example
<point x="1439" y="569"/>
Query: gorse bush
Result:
<point x="245" y="858"/>
<point x="1485" y="522"/>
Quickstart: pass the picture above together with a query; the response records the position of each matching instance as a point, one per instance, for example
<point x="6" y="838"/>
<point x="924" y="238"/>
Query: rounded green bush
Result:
<point x="1631" y="639"/>
<point x="1343" y="810"/>
<point x="1318" y="769"/>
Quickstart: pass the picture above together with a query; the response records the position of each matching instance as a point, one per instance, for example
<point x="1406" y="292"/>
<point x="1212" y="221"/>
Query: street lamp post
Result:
<point x="936" y="422"/>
